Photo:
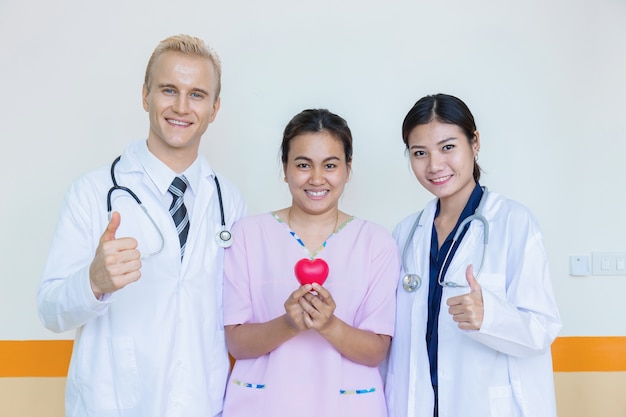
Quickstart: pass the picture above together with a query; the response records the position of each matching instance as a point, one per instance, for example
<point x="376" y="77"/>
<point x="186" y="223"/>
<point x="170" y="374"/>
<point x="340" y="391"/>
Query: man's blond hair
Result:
<point x="187" y="45"/>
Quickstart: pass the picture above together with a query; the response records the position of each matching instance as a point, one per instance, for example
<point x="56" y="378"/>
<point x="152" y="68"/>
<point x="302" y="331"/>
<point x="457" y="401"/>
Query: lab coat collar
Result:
<point x="137" y="158"/>
<point x="491" y="210"/>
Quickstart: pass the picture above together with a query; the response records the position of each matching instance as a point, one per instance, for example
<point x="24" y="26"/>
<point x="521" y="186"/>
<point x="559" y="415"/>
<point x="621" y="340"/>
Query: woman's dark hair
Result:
<point x="445" y="109"/>
<point x="313" y="121"/>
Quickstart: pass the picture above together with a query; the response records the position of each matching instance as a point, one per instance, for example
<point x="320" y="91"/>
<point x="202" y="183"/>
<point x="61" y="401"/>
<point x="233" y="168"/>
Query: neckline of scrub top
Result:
<point x="313" y="254"/>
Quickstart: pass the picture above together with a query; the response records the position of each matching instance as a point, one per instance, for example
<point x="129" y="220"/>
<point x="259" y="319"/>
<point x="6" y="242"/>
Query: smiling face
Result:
<point x="442" y="159"/>
<point x="316" y="172"/>
<point x="181" y="104"/>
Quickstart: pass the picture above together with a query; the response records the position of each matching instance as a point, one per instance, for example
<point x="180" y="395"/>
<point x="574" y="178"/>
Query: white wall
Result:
<point x="545" y="81"/>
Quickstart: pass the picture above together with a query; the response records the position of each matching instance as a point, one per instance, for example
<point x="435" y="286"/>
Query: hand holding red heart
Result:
<point x="319" y="308"/>
<point x="316" y="306"/>
<point x="294" y="311"/>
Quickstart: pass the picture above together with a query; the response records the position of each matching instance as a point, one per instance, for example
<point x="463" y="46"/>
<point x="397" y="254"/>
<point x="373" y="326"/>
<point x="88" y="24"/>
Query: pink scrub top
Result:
<point x="306" y="376"/>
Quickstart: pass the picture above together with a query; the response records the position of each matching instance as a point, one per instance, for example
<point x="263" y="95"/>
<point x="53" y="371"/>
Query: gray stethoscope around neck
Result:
<point x="223" y="238"/>
<point x="412" y="282"/>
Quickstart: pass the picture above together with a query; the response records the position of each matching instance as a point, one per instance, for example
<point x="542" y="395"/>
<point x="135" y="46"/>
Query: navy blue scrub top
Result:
<point x="434" y="289"/>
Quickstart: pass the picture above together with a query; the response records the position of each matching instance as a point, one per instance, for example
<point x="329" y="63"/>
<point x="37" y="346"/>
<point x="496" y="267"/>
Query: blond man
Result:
<point x="135" y="265"/>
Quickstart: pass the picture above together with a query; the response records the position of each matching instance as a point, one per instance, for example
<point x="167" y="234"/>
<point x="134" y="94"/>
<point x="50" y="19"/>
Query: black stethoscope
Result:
<point x="223" y="238"/>
<point x="412" y="282"/>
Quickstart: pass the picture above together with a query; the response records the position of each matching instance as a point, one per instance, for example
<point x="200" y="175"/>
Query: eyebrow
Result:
<point x="441" y="142"/>
<point x="200" y="90"/>
<point x="306" y="158"/>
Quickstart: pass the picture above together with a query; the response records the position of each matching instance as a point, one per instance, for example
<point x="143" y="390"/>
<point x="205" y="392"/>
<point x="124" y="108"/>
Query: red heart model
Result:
<point x="309" y="271"/>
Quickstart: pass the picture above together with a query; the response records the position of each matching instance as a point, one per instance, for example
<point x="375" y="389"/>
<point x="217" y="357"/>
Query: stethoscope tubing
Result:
<point x="223" y="237"/>
<point x="116" y="186"/>
<point x="412" y="282"/>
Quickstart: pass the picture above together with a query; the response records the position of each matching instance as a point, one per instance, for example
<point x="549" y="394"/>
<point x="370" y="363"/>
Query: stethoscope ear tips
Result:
<point x="224" y="239"/>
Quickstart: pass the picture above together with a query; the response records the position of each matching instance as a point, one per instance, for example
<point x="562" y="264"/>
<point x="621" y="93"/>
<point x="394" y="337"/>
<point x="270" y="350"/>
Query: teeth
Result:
<point x="317" y="193"/>
<point x="177" y="122"/>
<point x="442" y="179"/>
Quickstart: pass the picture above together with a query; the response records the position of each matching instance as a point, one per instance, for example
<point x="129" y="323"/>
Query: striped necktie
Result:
<point x="178" y="211"/>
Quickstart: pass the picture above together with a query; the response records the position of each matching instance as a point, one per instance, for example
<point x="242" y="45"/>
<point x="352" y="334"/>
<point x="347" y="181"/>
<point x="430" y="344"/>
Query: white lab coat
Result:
<point x="155" y="347"/>
<point x="505" y="368"/>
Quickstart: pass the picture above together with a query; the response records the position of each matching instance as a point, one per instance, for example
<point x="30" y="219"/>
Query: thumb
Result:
<point x="114" y="223"/>
<point x="469" y="276"/>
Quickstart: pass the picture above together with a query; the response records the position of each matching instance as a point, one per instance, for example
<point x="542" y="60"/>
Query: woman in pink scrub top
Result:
<point x="309" y="350"/>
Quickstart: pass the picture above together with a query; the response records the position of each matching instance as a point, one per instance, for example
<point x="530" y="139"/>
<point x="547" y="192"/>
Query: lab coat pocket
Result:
<point x="501" y="402"/>
<point x="108" y="373"/>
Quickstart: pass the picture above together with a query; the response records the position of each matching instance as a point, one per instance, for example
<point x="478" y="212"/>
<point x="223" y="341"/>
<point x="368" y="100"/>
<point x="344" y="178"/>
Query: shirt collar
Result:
<point x="162" y="175"/>
<point x="472" y="203"/>
<point x="470" y="206"/>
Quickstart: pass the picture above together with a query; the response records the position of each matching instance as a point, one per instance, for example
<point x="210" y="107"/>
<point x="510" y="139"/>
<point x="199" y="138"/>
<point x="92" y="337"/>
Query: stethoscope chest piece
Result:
<point x="224" y="239"/>
<point x="411" y="282"/>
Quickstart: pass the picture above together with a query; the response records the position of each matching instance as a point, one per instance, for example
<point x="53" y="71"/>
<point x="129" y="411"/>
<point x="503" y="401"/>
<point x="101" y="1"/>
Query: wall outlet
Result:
<point x="609" y="263"/>
<point x="579" y="265"/>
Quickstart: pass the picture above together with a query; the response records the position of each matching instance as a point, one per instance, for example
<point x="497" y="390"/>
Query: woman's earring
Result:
<point x="476" y="158"/>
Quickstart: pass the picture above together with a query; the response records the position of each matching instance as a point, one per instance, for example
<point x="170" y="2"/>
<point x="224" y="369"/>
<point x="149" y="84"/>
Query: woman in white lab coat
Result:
<point x="475" y="322"/>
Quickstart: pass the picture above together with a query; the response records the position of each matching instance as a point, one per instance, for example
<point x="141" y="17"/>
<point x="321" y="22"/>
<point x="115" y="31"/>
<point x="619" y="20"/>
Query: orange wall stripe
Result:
<point x="50" y="358"/>
<point x="589" y="354"/>
<point x="38" y="358"/>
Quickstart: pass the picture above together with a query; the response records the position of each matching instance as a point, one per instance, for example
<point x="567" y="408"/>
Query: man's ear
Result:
<point x="216" y="108"/>
<point x="144" y="97"/>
